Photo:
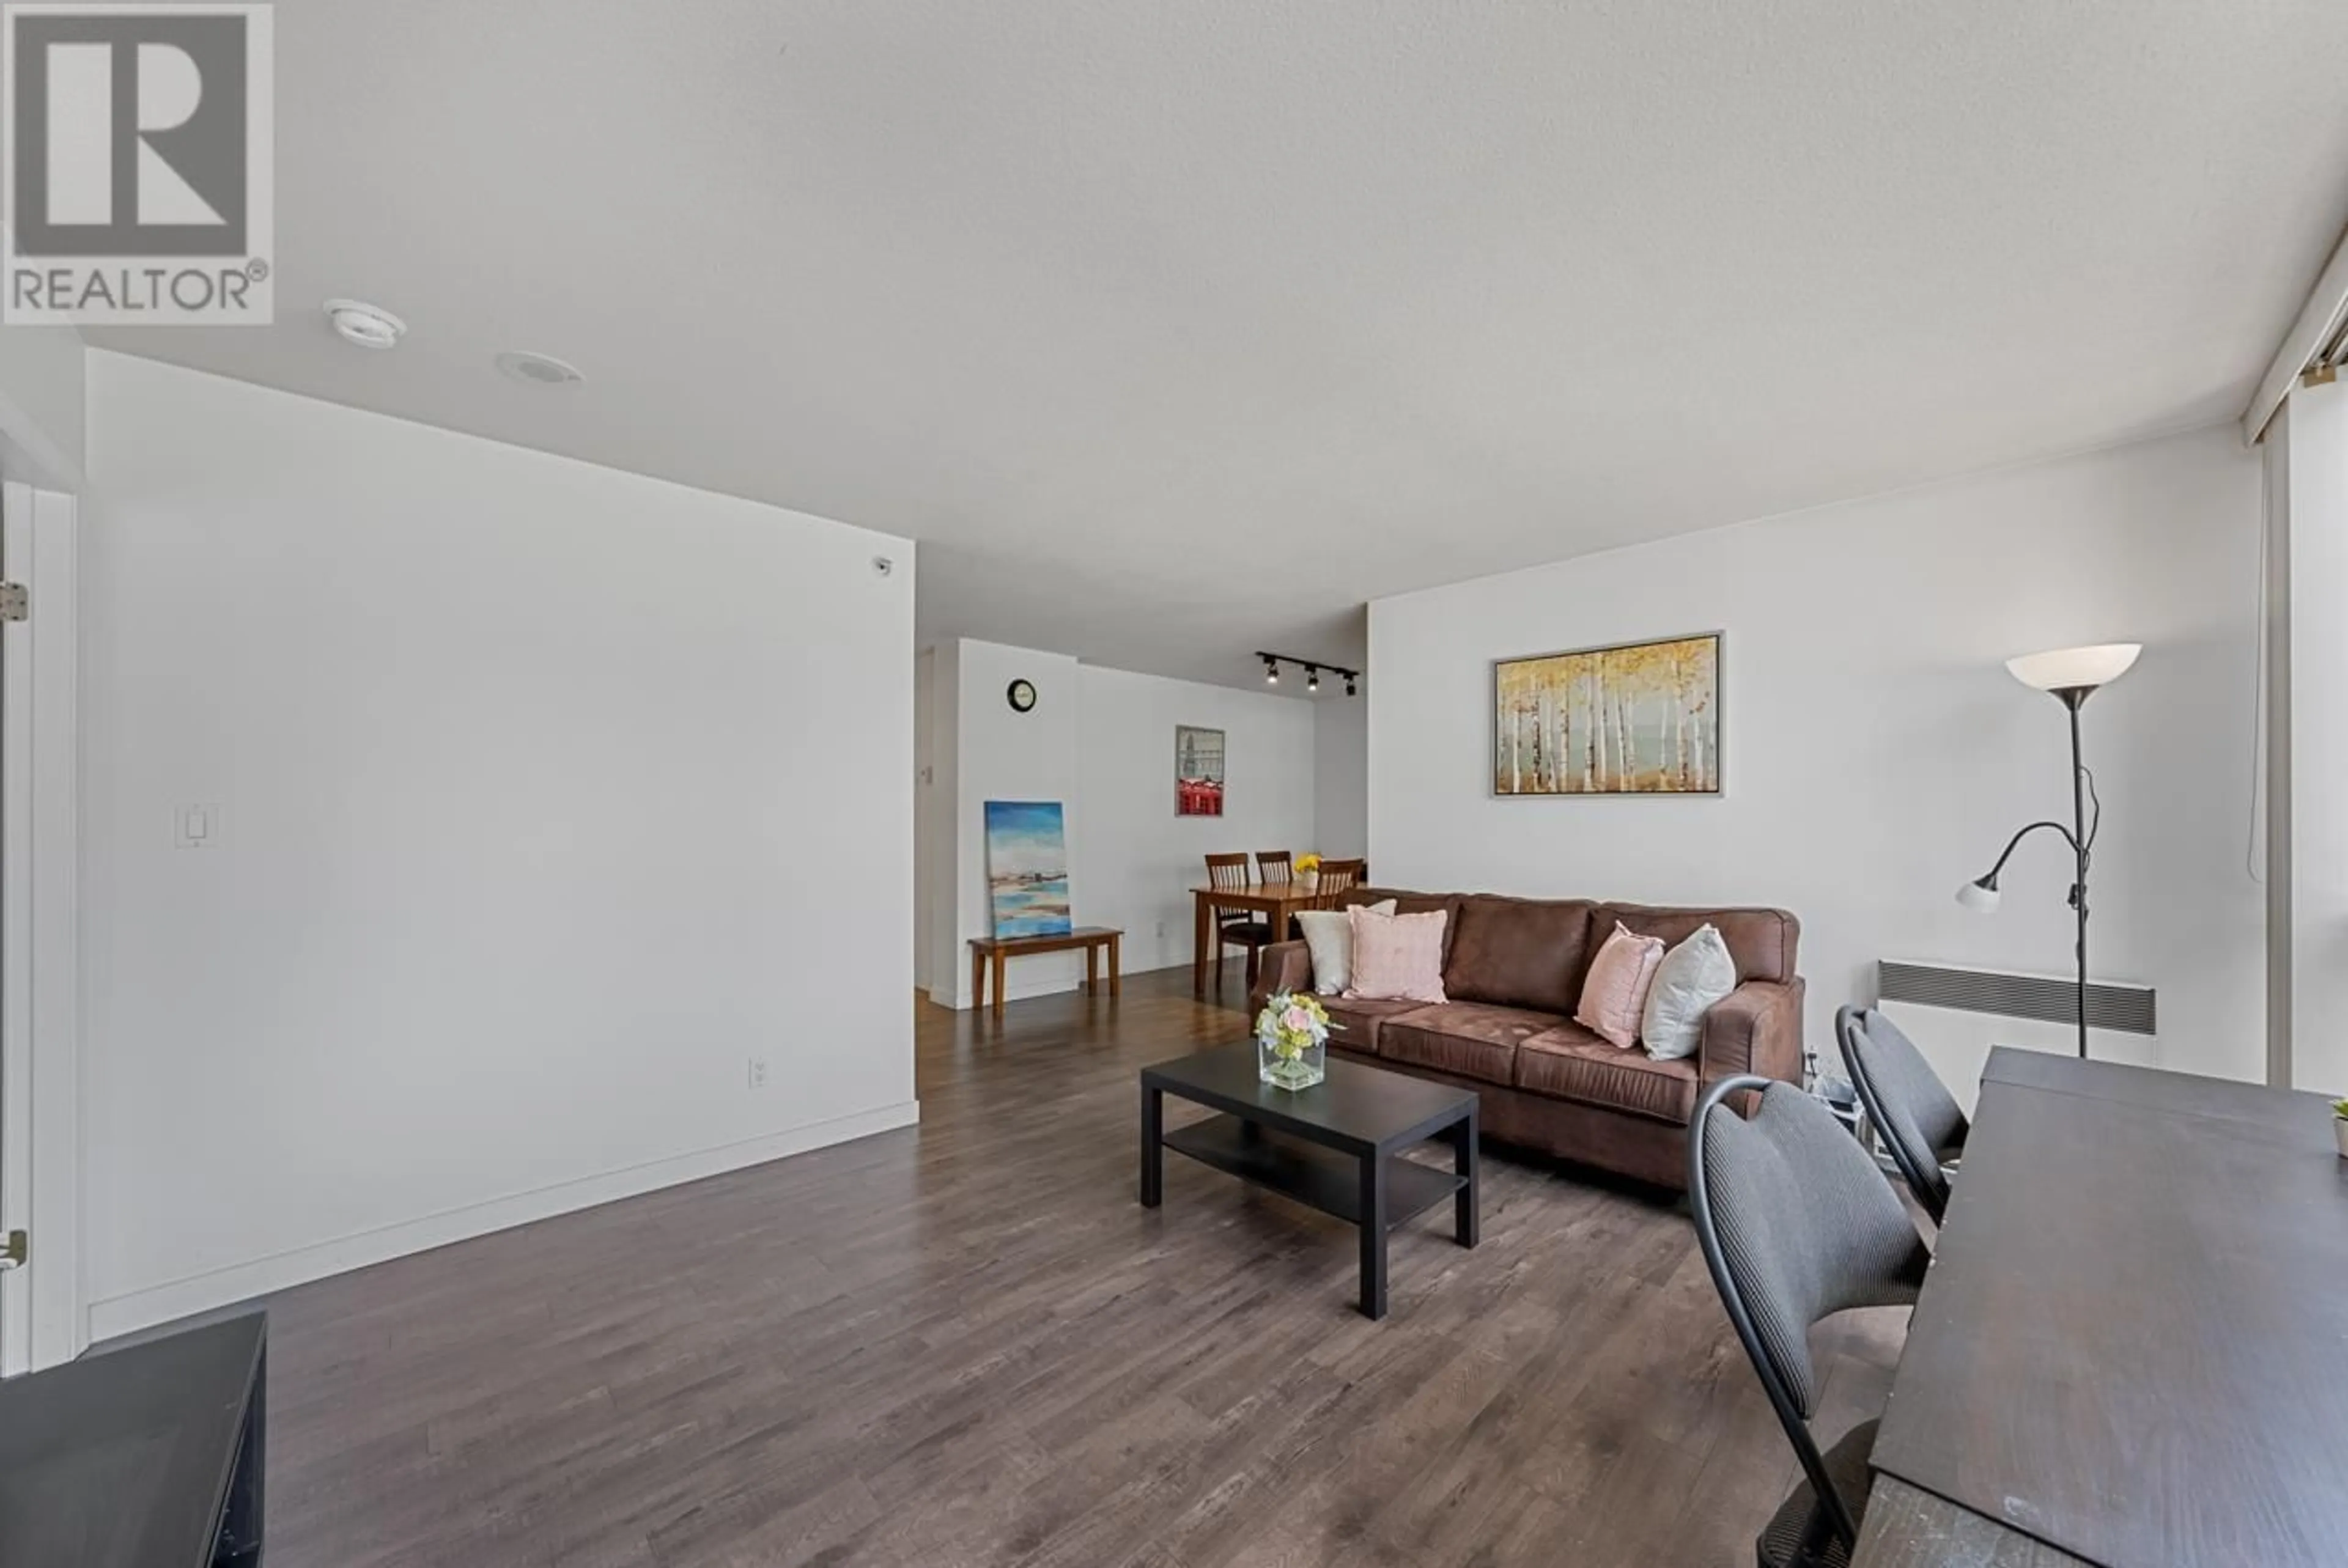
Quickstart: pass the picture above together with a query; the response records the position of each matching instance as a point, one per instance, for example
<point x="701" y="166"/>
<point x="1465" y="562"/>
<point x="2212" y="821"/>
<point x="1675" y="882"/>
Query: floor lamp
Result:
<point x="2071" y="675"/>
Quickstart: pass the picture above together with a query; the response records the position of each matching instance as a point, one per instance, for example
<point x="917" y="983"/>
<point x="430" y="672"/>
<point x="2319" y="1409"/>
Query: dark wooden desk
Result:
<point x="1909" y="1528"/>
<point x="2256" y="1108"/>
<point x="1001" y="950"/>
<point x="149" y="1456"/>
<point x="2133" y="1343"/>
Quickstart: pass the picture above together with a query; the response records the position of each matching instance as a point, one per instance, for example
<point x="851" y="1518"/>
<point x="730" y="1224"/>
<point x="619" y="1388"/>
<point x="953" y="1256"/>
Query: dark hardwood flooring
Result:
<point x="966" y="1344"/>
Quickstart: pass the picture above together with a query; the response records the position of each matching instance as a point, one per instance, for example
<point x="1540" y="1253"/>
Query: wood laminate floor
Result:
<point x="966" y="1344"/>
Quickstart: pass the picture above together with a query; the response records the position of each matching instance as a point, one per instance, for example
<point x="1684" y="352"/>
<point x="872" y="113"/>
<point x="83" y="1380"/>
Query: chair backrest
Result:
<point x="1273" y="865"/>
<point x="1905" y="1100"/>
<point x="1228" y="871"/>
<point x="1797" y="1225"/>
<point x="1336" y="875"/>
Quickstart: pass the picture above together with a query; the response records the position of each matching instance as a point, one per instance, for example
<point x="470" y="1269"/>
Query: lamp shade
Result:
<point x="2075" y="668"/>
<point x="1981" y="900"/>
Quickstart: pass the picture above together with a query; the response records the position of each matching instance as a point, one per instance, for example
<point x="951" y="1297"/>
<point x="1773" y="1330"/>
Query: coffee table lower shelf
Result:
<point x="1318" y="1178"/>
<point x="1336" y="1146"/>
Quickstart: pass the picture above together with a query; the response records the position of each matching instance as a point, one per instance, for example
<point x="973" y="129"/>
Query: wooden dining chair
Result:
<point x="1236" y="928"/>
<point x="1337" y="876"/>
<point x="1274" y="866"/>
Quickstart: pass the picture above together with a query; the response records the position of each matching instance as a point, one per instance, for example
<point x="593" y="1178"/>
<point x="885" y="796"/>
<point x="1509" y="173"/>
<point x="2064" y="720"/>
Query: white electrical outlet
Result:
<point x="1161" y="930"/>
<point x="758" y="1072"/>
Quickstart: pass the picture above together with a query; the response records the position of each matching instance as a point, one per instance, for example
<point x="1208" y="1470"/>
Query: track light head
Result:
<point x="1313" y="673"/>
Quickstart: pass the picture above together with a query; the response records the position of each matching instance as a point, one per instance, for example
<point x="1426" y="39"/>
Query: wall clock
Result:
<point x="1022" y="696"/>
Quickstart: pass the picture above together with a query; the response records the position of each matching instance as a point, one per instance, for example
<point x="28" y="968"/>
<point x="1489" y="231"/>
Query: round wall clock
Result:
<point x="1022" y="696"/>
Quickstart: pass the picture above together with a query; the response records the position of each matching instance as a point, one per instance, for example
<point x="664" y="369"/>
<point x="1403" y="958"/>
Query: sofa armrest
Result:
<point x="1756" y="1028"/>
<point x="1285" y="966"/>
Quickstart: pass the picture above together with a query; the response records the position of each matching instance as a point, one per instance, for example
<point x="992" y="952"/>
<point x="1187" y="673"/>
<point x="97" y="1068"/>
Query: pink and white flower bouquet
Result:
<point x="1291" y="1037"/>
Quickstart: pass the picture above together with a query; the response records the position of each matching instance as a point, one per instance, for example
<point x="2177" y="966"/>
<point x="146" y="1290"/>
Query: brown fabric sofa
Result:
<point x="1513" y="969"/>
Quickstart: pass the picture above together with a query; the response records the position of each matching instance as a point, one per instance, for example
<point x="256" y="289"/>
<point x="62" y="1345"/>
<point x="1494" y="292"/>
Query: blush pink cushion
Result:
<point x="1398" y="957"/>
<point x="1614" y="997"/>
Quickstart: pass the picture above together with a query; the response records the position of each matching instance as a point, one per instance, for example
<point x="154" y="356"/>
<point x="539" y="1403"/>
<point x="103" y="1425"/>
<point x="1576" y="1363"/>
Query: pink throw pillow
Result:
<point x="1398" y="957"/>
<point x="1614" y="997"/>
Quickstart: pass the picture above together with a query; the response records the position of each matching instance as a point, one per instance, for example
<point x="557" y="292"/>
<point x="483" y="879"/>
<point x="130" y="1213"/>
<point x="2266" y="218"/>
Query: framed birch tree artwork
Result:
<point x="1641" y="718"/>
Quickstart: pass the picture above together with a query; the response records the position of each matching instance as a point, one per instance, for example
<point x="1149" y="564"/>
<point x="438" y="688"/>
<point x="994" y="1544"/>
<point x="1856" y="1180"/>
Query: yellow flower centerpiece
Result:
<point x="1307" y="864"/>
<point x="1291" y="1037"/>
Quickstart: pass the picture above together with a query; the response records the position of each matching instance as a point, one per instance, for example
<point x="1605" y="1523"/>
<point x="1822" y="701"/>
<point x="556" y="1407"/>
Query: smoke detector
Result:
<point x="369" y="326"/>
<point x="538" y="369"/>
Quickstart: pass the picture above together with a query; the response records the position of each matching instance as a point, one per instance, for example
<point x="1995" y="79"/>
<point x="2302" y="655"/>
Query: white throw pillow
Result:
<point x="1694" y="975"/>
<point x="1329" y="933"/>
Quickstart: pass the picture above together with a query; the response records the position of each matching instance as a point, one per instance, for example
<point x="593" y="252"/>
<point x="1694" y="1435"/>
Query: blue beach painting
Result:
<point x="1027" y="867"/>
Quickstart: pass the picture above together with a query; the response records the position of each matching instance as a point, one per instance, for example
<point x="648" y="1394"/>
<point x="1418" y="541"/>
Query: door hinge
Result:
<point x="15" y="604"/>
<point x="13" y="1255"/>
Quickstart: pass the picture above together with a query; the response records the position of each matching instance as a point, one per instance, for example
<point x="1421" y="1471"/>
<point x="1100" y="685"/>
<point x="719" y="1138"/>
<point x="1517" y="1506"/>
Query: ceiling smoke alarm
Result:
<point x="369" y="326"/>
<point x="538" y="369"/>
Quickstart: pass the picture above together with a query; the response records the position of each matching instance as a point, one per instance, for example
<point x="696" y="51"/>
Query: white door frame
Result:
<point x="42" y="1317"/>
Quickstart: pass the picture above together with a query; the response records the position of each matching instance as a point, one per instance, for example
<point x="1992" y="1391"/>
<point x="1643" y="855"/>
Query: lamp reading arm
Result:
<point x="2013" y="842"/>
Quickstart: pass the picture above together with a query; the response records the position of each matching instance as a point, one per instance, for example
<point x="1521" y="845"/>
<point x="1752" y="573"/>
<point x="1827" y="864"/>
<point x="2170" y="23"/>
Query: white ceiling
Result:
<point x="1173" y="331"/>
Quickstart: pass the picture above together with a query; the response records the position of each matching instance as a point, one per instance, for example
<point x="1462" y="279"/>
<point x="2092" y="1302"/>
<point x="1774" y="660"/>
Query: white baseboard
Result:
<point x="1017" y="990"/>
<point x="1152" y="962"/>
<point x="243" y="1281"/>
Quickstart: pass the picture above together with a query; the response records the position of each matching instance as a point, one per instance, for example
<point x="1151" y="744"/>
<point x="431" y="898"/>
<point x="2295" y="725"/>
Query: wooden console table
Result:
<point x="1003" y="950"/>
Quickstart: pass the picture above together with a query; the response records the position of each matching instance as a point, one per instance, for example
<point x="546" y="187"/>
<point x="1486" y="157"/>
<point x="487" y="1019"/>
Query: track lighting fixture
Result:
<point x="1312" y="671"/>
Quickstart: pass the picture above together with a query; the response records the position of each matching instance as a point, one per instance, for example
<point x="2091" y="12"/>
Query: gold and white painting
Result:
<point x="1642" y="718"/>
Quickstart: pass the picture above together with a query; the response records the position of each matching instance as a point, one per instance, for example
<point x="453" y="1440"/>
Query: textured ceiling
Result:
<point x="1178" y="330"/>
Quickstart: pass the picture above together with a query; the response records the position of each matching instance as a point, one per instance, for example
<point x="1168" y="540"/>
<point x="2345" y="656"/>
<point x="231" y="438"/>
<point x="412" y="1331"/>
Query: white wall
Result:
<point x="1341" y="777"/>
<point x="1001" y="754"/>
<point x="548" y="797"/>
<point x="1135" y="860"/>
<point x="1100" y="742"/>
<point x="926" y="856"/>
<point x="938" y="914"/>
<point x="43" y="408"/>
<point x="1877" y="753"/>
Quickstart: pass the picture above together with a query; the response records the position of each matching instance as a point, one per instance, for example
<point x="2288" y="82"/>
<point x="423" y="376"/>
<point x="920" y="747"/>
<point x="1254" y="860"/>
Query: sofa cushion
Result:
<point x="1406" y="902"/>
<point x="1469" y="1040"/>
<point x="1570" y="1062"/>
<point x="1614" y="997"/>
<point x="1398" y="955"/>
<point x="1519" y="952"/>
<point x="1762" y="941"/>
<point x="1358" y="1019"/>
<point x="1693" y="976"/>
<point x="1329" y="935"/>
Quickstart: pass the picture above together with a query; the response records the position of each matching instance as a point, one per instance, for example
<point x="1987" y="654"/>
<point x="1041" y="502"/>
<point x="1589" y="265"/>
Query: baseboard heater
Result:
<point x="1956" y="1015"/>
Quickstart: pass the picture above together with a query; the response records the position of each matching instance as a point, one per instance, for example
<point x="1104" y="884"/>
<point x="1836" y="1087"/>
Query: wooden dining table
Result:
<point x="1275" y="901"/>
<point x="2131" y="1350"/>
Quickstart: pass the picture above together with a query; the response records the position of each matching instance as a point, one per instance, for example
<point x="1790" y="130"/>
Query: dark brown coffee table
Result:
<point x="1331" y="1147"/>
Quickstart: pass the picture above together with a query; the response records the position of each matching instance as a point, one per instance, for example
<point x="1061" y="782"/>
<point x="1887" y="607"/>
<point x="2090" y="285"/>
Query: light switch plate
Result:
<point x="199" y="826"/>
